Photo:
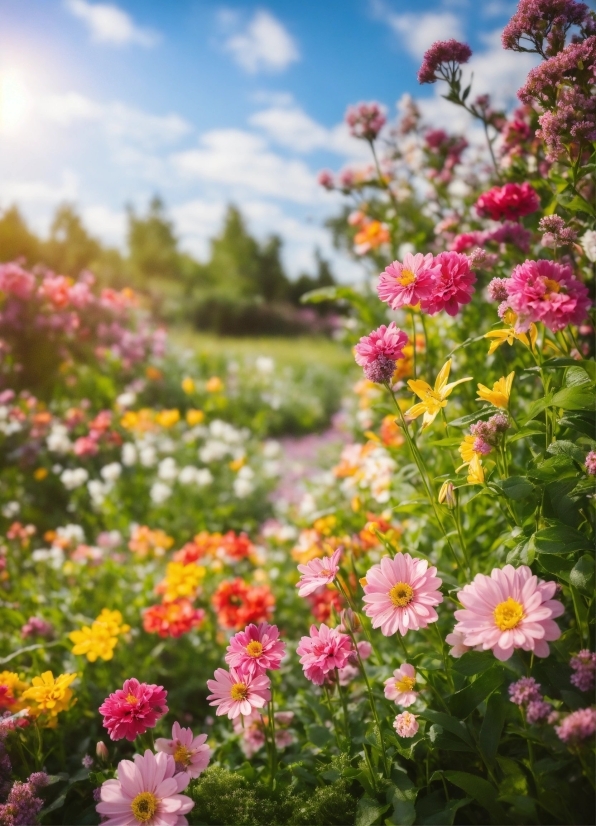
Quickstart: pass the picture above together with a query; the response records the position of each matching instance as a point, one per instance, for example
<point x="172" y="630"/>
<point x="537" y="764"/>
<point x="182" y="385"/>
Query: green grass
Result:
<point x="300" y="351"/>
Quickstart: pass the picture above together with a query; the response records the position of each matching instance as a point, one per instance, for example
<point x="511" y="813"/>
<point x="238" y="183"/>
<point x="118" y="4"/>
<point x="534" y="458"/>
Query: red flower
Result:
<point x="172" y="619"/>
<point x="237" y="604"/>
<point x="511" y="201"/>
<point x="323" y="602"/>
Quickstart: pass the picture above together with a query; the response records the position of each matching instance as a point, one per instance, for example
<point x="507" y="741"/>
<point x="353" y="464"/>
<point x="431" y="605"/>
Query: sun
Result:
<point x="14" y="101"/>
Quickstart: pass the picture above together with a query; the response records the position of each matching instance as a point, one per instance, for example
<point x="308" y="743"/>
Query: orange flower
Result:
<point x="237" y="603"/>
<point x="371" y="236"/>
<point x="391" y="434"/>
<point x="172" y="619"/>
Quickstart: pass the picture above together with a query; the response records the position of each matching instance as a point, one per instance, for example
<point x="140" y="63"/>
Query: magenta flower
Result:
<point x="191" y="754"/>
<point x="406" y="724"/>
<point x="325" y="179"/>
<point x="400" y="687"/>
<point x="400" y="594"/>
<point x="404" y="285"/>
<point x="511" y="201"/>
<point x="318" y="572"/>
<point x="442" y="60"/>
<point x="365" y="120"/>
<point x="538" y="20"/>
<point x="377" y="352"/>
<point x="325" y="650"/>
<point x="509" y="609"/>
<point x="16" y="281"/>
<point x="453" y="284"/>
<point x="256" y="649"/>
<point x="236" y="692"/>
<point x="548" y="292"/>
<point x="579" y="725"/>
<point x="147" y="791"/>
<point x="524" y="691"/>
<point x="591" y="463"/>
<point x="133" y="709"/>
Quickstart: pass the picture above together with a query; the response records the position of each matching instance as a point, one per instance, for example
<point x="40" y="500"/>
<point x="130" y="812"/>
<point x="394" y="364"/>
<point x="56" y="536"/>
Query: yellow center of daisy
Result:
<point x="130" y="698"/>
<point x="551" y="286"/>
<point x="401" y="594"/>
<point x="254" y="648"/>
<point x="405" y="684"/>
<point x="239" y="691"/>
<point x="508" y="614"/>
<point x="144" y="806"/>
<point x="182" y="755"/>
<point x="406" y="278"/>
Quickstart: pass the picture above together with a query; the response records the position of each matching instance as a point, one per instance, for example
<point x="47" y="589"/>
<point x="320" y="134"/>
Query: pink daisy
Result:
<point x="400" y="687"/>
<point x="147" y="791"/>
<point x="236" y="692"/>
<point x="406" y="724"/>
<point x="403" y="285"/>
<point x="377" y="352"/>
<point x="191" y="754"/>
<point x="325" y="650"/>
<point x="318" y="572"/>
<point x="133" y="709"/>
<point x="453" y="284"/>
<point x="400" y="594"/>
<point x="548" y="292"/>
<point x="509" y="609"/>
<point x="255" y="649"/>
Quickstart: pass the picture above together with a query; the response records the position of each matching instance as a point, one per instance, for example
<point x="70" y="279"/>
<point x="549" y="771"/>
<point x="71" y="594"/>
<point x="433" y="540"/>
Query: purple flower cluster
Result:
<point x="526" y="692"/>
<point x="443" y="57"/>
<point x="365" y="120"/>
<point x="37" y="627"/>
<point x="22" y="805"/>
<point x="591" y="463"/>
<point x="556" y="233"/>
<point x="543" y="25"/>
<point x="486" y="434"/>
<point x="574" y="65"/>
<point x="579" y="725"/>
<point x="584" y="667"/>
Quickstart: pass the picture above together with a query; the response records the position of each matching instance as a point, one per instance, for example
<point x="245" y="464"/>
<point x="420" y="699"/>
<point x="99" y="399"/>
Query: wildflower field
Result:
<point x="405" y="636"/>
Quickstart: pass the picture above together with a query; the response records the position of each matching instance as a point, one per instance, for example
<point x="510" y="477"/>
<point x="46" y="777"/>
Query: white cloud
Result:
<point x="107" y="224"/>
<point x="196" y="223"/>
<point x="419" y="31"/>
<point x="40" y="192"/>
<point x="264" y="45"/>
<point x="497" y="71"/>
<point x="109" y="24"/>
<point x="244" y="161"/>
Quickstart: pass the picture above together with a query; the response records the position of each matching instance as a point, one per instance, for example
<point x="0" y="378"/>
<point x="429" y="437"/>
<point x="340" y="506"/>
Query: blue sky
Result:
<point x="205" y="102"/>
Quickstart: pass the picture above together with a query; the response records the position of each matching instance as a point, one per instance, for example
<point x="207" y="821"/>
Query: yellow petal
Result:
<point x="449" y="387"/>
<point x="443" y="375"/>
<point x="419" y="387"/>
<point x="416" y="410"/>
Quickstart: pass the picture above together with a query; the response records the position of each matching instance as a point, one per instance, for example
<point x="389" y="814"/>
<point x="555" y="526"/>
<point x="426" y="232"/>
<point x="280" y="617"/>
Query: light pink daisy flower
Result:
<point x="256" y="649"/>
<point x="325" y="650"/>
<point x="509" y="609"/>
<point x="453" y="284"/>
<point x="191" y="754"/>
<point x="400" y="687"/>
<point x="133" y="709"/>
<point x="406" y="724"/>
<point x="400" y="594"/>
<point x="458" y="646"/>
<point x="377" y="352"/>
<point x="405" y="285"/>
<point x="236" y="692"/>
<point x="318" y="572"/>
<point x="147" y="791"/>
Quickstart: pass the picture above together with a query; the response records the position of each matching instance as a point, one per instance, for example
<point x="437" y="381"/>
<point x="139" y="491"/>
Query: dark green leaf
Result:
<point x="583" y="422"/>
<point x="576" y="376"/>
<point x="447" y="815"/>
<point x="515" y="487"/>
<point x="574" y="398"/>
<point x="566" y="448"/>
<point x="533" y="428"/>
<point x="369" y="811"/>
<point x="319" y="735"/>
<point x="481" y="790"/>
<point x="449" y="723"/>
<point x="492" y="726"/>
<point x="560" y="540"/>
<point x="537" y="407"/>
<point x="474" y="662"/>
<point x="471" y="418"/>
<point x="463" y="702"/>
<point x="582" y="574"/>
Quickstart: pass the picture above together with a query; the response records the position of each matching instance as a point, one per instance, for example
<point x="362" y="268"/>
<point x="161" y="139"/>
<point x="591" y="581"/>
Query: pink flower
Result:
<point x="236" y="692"/>
<point x="146" y="791"/>
<point x="133" y="709"/>
<point x="509" y="609"/>
<point x="191" y="754"/>
<point x="318" y="572"/>
<point x="85" y="446"/>
<point x="16" y="281"/>
<point x="579" y="725"/>
<point x="537" y="711"/>
<point x="406" y="724"/>
<point x="584" y="667"/>
<point x="378" y="352"/>
<point x="255" y="649"/>
<point x="466" y="241"/>
<point x="591" y="463"/>
<point x="548" y="292"/>
<point x="365" y="120"/>
<point x="402" y="285"/>
<point x="453" y="284"/>
<point x="325" y="179"/>
<point x="537" y="21"/>
<point x="511" y="201"/>
<point x="443" y="58"/>
<point x="524" y="691"/>
<point x="400" y="687"/>
<point x="57" y="289"/>
<point x="400" y="594"/>
<point x="325" y="650"/>
<point x="458" y="646"/>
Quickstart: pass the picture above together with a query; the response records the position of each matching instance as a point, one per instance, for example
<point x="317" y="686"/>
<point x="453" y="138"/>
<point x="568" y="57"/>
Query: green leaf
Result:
<point x="369" y="811"/>
<point x="471" y="418"/>
<point x="319" y="735"/>
<point x="463" y="702"/>
<point x="537" y="407"/>
<point x="515" y="487"/>
<point x="449" y="723"/>
<point x="553" y="469"/>
<point x="556" y="565"/>
<point x="492" y="726"/>
<point x="474" y="662"/>
<point x="533" y="428"/>
<point x="582" y="574"/>
<point x="565" y="448"/>
<point x="574" y="398"/>
<point x="560" y="539"/>
<point x="403" y="796"/>
<point x="576" y="376"/>
<point x="583" y="422"/>
<point x="481" y="790"/>
<point x="447" y="815"/>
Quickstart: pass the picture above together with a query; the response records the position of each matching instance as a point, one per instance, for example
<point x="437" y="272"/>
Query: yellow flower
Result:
<point x="181" y="580"/>
<point x="214" y="385"/>
<point x="499" y="395"/>
<point x="167" y="418"/>
<point x="475" y="471"/>
<point x="509" y="334"/>
<point x="51" y="695"/>
<point x="188" y="385"/>
<point x="153" y="373"/>
<point x="325" y="524"/>
<point x="466" y="449"/>
<point x="94" y="642"/>
<point x="236" y="464"/>
<point x="447" y="494"/>
<point x="40" y="474"/>
<point x="11" y="689"/>
<point x="113" y="621"/>
<point x="433" y="398"/>
<point x="194" y="417"/>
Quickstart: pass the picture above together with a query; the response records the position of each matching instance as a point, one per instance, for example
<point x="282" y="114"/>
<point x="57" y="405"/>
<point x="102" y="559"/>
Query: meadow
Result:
<point x="408" y="638"/>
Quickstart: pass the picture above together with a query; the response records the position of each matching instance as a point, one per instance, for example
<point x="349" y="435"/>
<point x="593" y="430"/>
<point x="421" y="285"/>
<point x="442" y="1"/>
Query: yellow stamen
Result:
<point x="401" y="594"/>
<point x="551" y="286"/>
<point x="254" y="648"/>
<point x="144" y="806"/>
<point x="182" y="755"/>
<point x="130" y="698"/>
<point x="508" y="614"/>
<point x="406" y="278"/>
<point x="405" y="684"/>
<point x="239" y="691"/>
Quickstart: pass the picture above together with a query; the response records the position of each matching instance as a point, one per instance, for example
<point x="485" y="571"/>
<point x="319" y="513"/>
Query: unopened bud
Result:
<point x="447" y="494"/>
<point x="101" y="750"/>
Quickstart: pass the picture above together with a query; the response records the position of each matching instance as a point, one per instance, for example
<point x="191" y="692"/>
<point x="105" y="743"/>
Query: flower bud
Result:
<point x="447" y="494"/>
<point x="101" y="750"/>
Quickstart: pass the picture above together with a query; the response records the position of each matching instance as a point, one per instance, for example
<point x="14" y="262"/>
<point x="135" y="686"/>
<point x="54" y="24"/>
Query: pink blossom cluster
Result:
<point x="541" y="25"/>
<point x="577" y="726"/>
<point x="573" y="120"/>
<point x="508" y="233"/>
<point x="37" y="627"/>
<point x="133" y="709"/>
<point x="487" y="434"/>
<point x="325" y="650"/>
<point x="251" y="730"/>
<point x="365" y="120"/>
<point x="526" y="693"/>
<point x="583" y="666"/>
<point x="511" y="201"/>
<point x="591" y="463"/>
<point x="548" y="292"/>
<point x="574" y="65"/>
<point x="377" y="352"/>
<point x="556" y="232"/>
<point x="442" y="60"/>
<point x="517" y="133"/>
<point x="23" y="804"/>
<point x="191" y="754"/>
<point x="444" y="153"/>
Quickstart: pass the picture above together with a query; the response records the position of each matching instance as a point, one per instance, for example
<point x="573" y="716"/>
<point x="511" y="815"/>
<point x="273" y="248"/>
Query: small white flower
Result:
<point x="271" y="449"/>
<point x="10" y="509"/>
<point x="167" y="470"/>
<point x="126" y="399"/>
<point x="53" y="555"/>
<point x="265" y="365"/>
<point x="160" y="492"/>
<point x="188" y="475"/>
<point x="111" y="472"/>
<point x="57" y="440"/>
<point x="98" y="491"/>
<point x="148" y="456"/>
<point x="242" y="487"/>
<point x="129" y="454"/>
<point x="73" y="478"/>
<point x="588" y="242"/>
<point x="213" y="451"/>
<point x="203" y="477"/>
<point x="71" y="533"/>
